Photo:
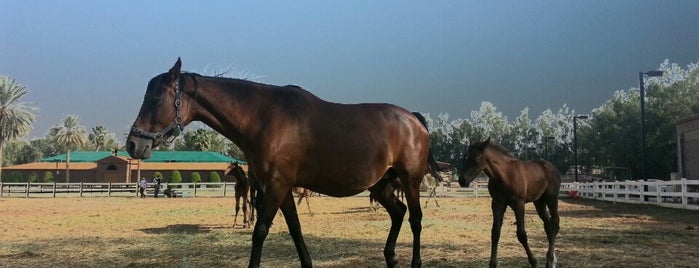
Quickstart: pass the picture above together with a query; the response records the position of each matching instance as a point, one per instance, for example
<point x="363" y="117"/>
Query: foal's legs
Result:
<point x="237" y="208"/>
<point x="383" y="193"/>
<point x="498" y="209"/>
<point x="551" y="223"/>
<point x="246" y="222"/>
<point x="518" y="208"/>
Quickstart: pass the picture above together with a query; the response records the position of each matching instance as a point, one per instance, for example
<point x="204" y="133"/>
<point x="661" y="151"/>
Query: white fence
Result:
<point x="25" y="189"/>
<point x="682" y="193"/>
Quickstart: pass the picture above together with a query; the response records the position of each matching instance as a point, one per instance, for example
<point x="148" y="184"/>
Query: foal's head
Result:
<point x="161" y="117"/>
<point x="473" y="162"/>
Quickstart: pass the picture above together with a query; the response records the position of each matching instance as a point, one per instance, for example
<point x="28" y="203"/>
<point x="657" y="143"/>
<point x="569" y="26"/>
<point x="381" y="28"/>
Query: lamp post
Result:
<point x="575" y="141"/>
<point x="641" y="76"/>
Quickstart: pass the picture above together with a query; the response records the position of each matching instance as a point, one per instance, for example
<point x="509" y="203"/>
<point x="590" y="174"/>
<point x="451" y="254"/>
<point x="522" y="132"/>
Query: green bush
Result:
<point x="48" y="177"/>
<point x="176" y="177"/>
<point x="214" y="177"/>
<point x="196" y="177"/>
<point x="15" y="176"/>
<point x="159" y="175"/>
<point x="33" y="177"/>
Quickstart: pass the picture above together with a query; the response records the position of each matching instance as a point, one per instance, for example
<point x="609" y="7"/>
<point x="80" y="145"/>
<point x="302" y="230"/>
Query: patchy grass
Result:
<point x="199" y="232"/>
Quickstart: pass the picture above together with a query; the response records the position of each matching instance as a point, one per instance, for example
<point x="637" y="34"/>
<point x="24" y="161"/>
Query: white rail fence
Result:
<point x="26" y="189"/>
<point x="682" y="194"/>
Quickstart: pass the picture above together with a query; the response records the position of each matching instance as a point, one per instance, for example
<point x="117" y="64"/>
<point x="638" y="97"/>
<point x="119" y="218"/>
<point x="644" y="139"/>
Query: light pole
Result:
<point x="641" y="76"/>
<point x="575" y="141"/>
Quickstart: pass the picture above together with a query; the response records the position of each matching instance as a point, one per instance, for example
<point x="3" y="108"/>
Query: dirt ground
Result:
<point x="341" y="232"/>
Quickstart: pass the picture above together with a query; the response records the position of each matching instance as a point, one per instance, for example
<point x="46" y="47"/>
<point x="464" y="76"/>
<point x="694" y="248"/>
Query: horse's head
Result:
<point x="472" y="162"/>
<point x="161" y="117"/>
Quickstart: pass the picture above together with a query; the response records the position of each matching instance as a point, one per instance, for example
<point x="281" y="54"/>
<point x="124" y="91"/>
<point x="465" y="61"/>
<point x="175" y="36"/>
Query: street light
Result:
<point x="641" y="76"/>
<point x="575" y="141"/>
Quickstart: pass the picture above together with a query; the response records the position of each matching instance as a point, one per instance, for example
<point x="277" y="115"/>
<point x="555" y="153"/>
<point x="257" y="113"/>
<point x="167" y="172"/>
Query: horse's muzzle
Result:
<point x="139" y="148"/>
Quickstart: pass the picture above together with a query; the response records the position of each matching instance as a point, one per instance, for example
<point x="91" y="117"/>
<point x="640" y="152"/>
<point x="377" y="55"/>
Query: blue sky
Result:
<point x="94" y="58"/>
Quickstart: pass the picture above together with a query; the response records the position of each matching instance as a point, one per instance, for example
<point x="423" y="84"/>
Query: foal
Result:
<point x="513" y="183"/>
<point x="242" y="188"/>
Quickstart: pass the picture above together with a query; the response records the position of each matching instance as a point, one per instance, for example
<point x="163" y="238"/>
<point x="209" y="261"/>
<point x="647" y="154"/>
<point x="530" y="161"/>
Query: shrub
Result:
<point x="15" y="176"/>
<point x="33" y="177"/>
<point x="48" y="177"/>
<point x="159" y="175"/>
<point x="214" y="177"/>
<point x="176" y="177"/>
<point x="196" y="177"/>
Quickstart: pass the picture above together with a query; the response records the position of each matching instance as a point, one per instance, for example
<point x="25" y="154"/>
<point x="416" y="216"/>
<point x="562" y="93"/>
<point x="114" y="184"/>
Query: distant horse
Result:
<point x="513" y="183"/>
<point x="291" y="138"/>
<point x="303" y="193"/>
<point x="242" y="189"/>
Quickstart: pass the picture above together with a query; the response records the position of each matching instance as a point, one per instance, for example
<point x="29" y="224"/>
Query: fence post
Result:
<point x="54" y="189"/>
<point x="684" y="193"/>
<point x="26" y="193"/>
<point x="195" y="189"/>
<point x="475" y="189"/>
<point x="224" y="188"/>
<point x="81" y="189"/>
<point x="109" y="189"/>
<point x="658" y="198"/>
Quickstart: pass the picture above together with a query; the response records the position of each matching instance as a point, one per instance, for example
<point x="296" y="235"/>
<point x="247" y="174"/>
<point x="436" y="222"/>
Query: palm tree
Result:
<point x="16" y="117"/>
<point x="100" y="137"/>
<point x="71" y="135"/>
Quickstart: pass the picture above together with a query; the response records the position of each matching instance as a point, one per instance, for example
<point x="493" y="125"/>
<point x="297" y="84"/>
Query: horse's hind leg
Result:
<point x="292" y="221"/>
<point x="518" y="208"/>
<point x="383" y="193"/>
<point x="412" y="195"/>
<point x="246" y="222"/>
<point x="551" y="226"/>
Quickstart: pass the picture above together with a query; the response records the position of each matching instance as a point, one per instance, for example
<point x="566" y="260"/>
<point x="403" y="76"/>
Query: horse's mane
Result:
<point x="499" y="148"/>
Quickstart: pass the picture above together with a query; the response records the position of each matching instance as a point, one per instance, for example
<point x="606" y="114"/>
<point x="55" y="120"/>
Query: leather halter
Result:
<point x="177" y="124"/>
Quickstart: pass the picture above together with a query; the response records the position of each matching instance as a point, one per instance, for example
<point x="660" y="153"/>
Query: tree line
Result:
<point x="609" y="137"/>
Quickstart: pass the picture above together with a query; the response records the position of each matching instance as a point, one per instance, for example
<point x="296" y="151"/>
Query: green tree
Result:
<point x="201" y="139"/>
<point x="158" y="174"/>
<point x="71" y="135"/>
<point x="16" y="117"/>
<point x="101" y="138"/>
<point x="28" y="154"/>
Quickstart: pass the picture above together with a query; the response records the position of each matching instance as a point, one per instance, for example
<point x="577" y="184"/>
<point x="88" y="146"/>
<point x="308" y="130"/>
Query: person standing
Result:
<point x="156" y="184"/>
<point x="142" y="187"/>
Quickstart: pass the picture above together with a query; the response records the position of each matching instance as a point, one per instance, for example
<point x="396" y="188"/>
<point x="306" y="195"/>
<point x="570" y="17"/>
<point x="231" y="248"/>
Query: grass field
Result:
<point x="199" y="232"/>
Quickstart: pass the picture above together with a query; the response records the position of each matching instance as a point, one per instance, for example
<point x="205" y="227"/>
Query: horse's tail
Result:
<point x="432" y="166"/>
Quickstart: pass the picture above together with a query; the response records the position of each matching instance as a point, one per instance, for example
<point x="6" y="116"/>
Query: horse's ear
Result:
<point x="175" y="70"/>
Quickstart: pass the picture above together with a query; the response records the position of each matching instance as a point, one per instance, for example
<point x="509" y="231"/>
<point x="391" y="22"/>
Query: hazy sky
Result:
<point x="94" y="58"/>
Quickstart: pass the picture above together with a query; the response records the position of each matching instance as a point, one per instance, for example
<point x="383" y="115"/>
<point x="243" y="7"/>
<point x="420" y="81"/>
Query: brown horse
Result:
<point x="291" y="138"/>
<point x="514" y="183"/>
<point x="242" y="189"/>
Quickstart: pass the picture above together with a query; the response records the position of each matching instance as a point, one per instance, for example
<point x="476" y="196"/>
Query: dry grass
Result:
<point x="199" y="232"/>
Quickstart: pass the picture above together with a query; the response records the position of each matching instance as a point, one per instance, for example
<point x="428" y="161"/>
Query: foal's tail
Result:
<point x="432" y="166"/>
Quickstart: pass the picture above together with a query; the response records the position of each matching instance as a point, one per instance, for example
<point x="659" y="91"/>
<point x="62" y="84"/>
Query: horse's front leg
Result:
<point x="292" y="221"/>
<point x="498" y="209"/>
